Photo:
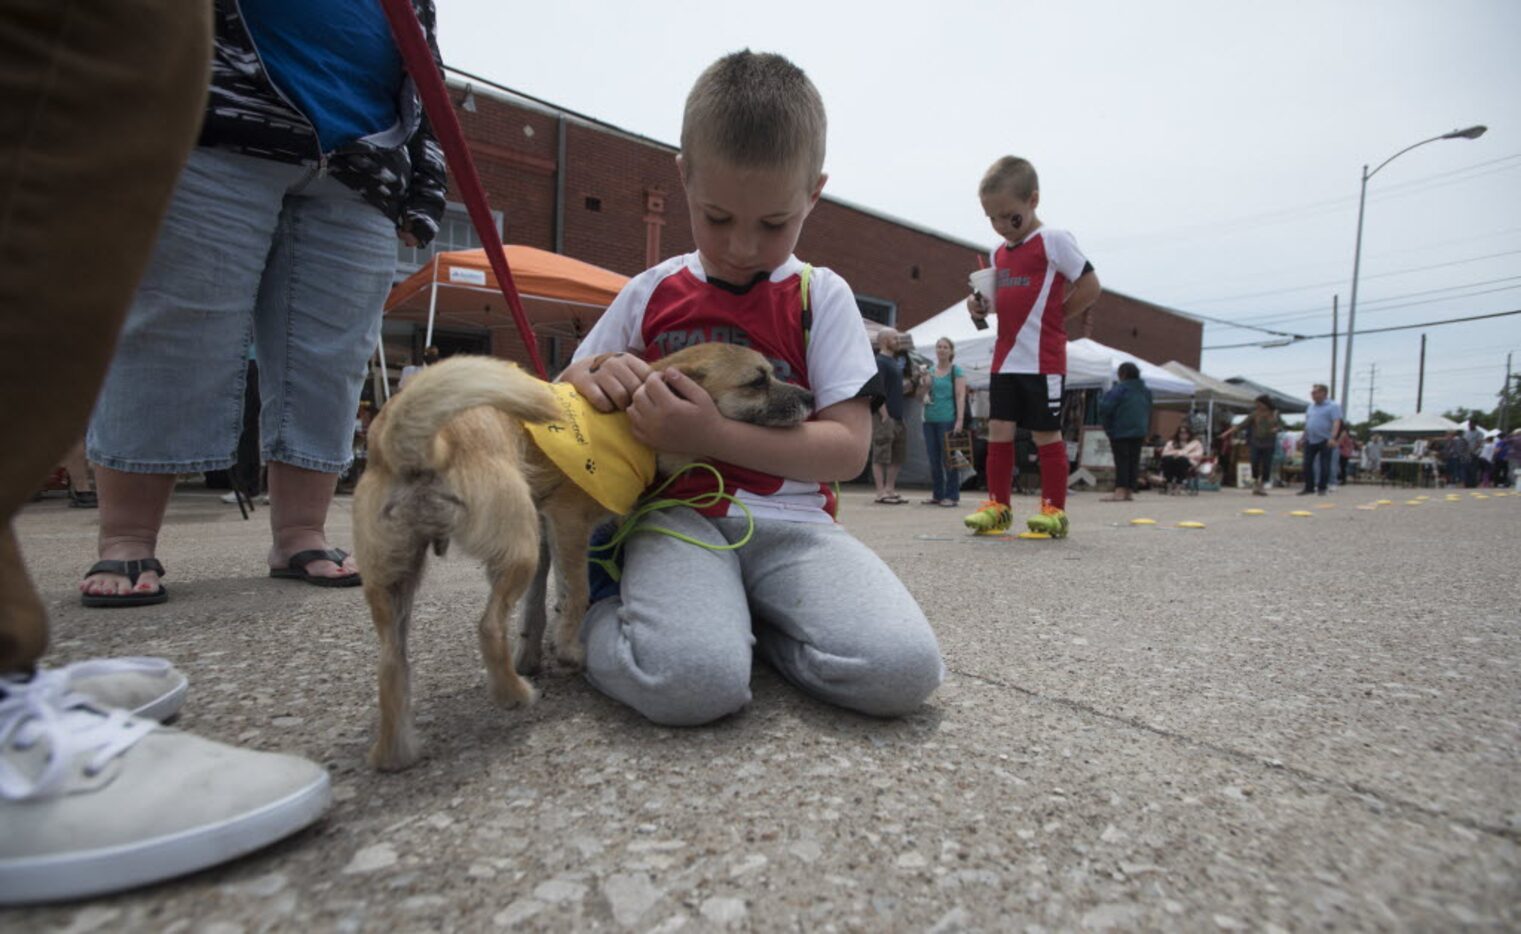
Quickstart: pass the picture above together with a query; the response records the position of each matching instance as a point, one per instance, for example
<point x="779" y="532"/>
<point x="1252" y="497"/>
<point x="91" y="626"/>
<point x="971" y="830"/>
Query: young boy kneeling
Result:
<point x="676" y="643"/>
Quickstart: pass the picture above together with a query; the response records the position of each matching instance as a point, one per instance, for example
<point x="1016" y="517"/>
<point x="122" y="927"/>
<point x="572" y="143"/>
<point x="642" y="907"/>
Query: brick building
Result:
<point x="571" y="184"/>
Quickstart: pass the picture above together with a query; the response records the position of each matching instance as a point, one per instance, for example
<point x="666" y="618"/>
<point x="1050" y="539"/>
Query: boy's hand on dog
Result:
<point x="610" y="382"/>
<point x="671" y="413"/>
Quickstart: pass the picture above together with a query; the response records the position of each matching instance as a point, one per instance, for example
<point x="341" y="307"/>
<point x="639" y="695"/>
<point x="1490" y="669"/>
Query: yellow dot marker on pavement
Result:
<point x="1386" y="502"/>
<point x="1369" y="507"/>
<point x="1480" y="496"/>
<point x="1412" y="502"/>
<point x="1254" y="512"/>
<point x="1032" y="535"/>
<point x="1302" y="513"/>
<point x="1325" y="505"/>
<point x="1143" y="522"/>
<point x="1190" y="525"/>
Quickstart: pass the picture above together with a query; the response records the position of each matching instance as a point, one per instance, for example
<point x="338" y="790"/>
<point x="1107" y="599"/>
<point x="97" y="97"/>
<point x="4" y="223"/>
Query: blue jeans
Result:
<point x="1317" y="466"/>
<point x="946" y="481"/>
<point x="256" y="251"/>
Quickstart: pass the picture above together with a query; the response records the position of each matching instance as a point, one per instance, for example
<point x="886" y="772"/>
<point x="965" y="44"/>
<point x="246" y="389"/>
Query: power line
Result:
<point x="1342" y="281"/>
<point x="1382" y="304"/>
<point x="1366" y="331"/>
<point x="1315" y="208"/>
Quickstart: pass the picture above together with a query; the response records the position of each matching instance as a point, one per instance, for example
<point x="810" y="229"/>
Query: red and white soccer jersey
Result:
<point x="673" y="305"/>
<point x="1032" y="283"/>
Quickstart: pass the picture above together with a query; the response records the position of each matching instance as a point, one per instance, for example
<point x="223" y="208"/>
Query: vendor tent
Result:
<point x="562" y="297"/>
<point x="1211" y="391"/>
<point x="1421" y="423"/>
<point x="1163" y="385"/>
<point x="1283" y="402"/>
<point x="1090" y="365"/>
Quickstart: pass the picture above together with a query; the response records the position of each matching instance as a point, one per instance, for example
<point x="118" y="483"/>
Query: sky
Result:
<point x="1207" y="155"/>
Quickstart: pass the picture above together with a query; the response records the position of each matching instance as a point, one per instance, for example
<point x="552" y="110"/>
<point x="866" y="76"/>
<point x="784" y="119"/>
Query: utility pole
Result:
<point x="1372" y="376"/>
<point x="1332" y="385"/>
<point x="1420" y="385"/>
<point x="1505" y="399"/>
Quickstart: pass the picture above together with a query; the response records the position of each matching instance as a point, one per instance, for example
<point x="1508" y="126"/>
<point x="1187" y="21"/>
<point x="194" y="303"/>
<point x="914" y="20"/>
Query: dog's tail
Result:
<point x="442" y="391"/>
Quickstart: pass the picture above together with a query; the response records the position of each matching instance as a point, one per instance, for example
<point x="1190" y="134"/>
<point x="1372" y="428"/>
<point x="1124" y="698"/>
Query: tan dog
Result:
<point x="450" y="460"/>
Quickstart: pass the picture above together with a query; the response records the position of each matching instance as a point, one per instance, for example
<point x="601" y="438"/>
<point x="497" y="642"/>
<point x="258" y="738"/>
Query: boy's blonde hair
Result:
<point x="755" y="110"/>
<point x="1012" y="174"/>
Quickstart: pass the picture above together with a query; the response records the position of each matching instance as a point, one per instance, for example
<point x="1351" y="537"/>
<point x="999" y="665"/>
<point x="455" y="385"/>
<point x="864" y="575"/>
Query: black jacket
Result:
<point x="400" y="170"/>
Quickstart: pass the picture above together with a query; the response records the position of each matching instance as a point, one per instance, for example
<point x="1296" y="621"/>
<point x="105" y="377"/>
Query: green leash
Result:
<point x="653" y="503"/>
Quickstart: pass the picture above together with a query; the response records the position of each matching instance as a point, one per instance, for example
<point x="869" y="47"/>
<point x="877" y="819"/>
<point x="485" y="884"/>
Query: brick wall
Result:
<point x="609" y="175"/>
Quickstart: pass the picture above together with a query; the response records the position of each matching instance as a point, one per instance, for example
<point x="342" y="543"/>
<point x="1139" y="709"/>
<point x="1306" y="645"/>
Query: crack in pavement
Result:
<point x="1392" y="802"/>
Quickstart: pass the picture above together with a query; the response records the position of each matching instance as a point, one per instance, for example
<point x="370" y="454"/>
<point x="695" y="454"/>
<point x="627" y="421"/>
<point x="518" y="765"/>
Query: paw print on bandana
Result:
<point x="591" y="465"/>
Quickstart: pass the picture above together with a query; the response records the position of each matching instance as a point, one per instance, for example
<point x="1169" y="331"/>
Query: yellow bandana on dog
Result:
<point x="595" y="449"/>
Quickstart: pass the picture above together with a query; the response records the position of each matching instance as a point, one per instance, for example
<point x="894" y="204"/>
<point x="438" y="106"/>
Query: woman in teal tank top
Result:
<point x="944" y="412"/>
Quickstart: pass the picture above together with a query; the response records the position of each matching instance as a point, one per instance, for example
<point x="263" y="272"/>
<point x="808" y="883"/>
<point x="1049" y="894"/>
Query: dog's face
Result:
<point x="743" y="384"/>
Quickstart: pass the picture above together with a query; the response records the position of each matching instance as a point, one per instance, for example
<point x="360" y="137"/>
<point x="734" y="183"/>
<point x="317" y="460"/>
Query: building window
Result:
<point x="455" y="232"/>
<point x="593" y="204"/>
<point x="878" y="310"/>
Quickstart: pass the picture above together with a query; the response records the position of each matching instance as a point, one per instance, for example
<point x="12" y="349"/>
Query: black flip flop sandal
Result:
<point x="295" y="568"/>
<point x="131" y="570"/>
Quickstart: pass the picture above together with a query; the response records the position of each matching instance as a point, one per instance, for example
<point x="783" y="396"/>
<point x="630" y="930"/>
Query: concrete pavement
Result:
<point x="1271" y="723"/>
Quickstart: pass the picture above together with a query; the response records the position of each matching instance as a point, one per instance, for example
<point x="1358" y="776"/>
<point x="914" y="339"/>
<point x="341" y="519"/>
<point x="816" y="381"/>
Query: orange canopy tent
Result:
<point x="562" y="297"/>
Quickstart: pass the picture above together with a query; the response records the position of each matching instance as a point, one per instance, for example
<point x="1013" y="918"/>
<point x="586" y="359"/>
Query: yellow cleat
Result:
<point x="991" y="518"/>
<point x="1050" y="520"/>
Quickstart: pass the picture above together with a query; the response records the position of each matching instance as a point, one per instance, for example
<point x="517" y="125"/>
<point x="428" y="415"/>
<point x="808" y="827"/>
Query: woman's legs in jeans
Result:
<point x="945" y="481"/>
<point x="316" y="323"/>
<point x="225" y="257"/>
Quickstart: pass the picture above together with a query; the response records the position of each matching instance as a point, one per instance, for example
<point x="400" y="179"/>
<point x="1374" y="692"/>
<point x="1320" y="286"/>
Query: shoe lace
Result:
<point x="44" y="709"/>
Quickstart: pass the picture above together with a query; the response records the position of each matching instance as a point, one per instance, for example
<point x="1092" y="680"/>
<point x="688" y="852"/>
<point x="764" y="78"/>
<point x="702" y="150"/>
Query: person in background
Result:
<point x="1346" y="450"/>
<point x="1373" y="457"/>
<point x="1262" y="427"/>
<point x="1473" y="440"/>
<point x="1486" y="461"/>
<point x="429" y="357"/>
<point x="1503" y="445"/>
<point x="889" y="441"/>
<point x="1513" y="456"/>
<point x="1125" y="412"/>
<point x="1455" y="458"/>
<point x="81" y="481"/>
<point x="945" y="411"/>
<point x="314" y="159"/>
<point x="1322" y="425"/>
<point x="1180" y="457"/>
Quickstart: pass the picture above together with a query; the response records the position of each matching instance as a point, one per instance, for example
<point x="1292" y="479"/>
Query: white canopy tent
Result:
<point x="1421" y="423"/>
<point x="1090" y="365"/>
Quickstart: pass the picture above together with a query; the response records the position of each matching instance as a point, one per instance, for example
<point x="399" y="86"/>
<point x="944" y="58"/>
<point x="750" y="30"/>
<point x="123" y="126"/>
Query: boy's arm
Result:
<point x="1084" y="292"/>
<point x="672" y="413"/>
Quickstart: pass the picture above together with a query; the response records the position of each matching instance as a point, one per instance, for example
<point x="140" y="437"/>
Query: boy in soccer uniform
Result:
<point x="1043" y="279"/>
<point x="676" y="642"/>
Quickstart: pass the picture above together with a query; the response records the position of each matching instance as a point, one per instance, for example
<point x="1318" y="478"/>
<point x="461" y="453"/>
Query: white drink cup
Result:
<point x="984" y="283"/>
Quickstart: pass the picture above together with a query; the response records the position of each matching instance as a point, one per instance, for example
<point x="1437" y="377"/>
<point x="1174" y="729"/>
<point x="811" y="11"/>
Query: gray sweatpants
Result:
<point x="823" y="609"/>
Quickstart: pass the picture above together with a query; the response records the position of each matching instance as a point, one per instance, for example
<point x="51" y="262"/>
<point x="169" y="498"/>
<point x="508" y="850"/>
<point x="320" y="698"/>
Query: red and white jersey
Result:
<point x="1033" y="275"/>
<point x="673" y="305"/>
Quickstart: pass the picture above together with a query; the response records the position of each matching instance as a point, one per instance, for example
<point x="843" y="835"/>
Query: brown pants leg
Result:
<point x="99" y="106"/>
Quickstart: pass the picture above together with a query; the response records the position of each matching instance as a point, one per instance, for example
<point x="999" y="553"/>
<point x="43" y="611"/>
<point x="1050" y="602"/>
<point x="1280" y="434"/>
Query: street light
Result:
<point x="1473" y="132"/>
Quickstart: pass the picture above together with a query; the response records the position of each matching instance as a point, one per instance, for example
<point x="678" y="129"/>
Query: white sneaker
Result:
<point x="95" y="800"/>
<point x="230" y="498"/>
<point x="145" y="687"/>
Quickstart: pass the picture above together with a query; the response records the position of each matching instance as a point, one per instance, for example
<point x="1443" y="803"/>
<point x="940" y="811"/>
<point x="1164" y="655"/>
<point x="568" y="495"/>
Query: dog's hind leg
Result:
<point x="510" y="575"/>
<point x="391" y="609"/>
<point x="528" y="653"/>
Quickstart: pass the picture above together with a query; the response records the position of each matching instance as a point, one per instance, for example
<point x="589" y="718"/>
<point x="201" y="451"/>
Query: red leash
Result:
<point x="418" y="58"/>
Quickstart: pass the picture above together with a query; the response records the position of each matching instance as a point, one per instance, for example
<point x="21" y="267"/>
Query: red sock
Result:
<point x="1053" y="473"/>
<point x="1000" y="470"/>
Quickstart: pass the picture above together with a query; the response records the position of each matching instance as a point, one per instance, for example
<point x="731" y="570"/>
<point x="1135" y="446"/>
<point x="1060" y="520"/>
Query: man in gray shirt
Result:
<point x="1322" y="422"/>
<point x="1474" y="438"/>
